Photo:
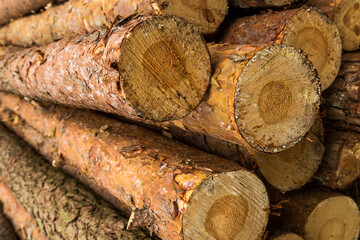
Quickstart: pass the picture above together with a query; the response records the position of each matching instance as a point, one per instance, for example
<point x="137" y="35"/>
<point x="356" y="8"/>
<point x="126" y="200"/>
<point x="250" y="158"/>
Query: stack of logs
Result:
<point x="129" y="125"/>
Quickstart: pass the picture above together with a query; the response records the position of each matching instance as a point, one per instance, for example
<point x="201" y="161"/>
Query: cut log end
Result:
<point x="318" y="37"/>
<point x="294" y="167"/>
<point x="218" y="211"/>
<point x="206" y="15"/>
<point x="347" y="19"/>
<point x="166" y="66"/>
<point x="277" y="99"/>
<point x="288" y="236"/>
<point x="341" y="222"/>
<point x="279" y="3"/>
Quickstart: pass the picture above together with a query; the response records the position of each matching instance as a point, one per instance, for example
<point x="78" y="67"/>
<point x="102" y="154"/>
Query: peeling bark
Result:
<point x="101" y="71"/>
<point x="12" y="9"/>
<point x="175" y="190"/>
<point x="82" y="16"/>
<point x="61" y="207"/>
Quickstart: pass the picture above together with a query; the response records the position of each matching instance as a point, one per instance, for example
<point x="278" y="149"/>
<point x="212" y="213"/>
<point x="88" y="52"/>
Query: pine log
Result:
<point x="340" y="166"/>
<point x="12" y="9"/>
<point x="7" y="231"/>
<point x="286" y="171"/>
<point x="267" y="98"/>
<point x="318" y="214"/>
<point x="305" y="29"/>
<point x="342" y="106"/>
<point x="82" y="16"/>
<point x="260" y="3"/>
<point x="287" y="236"/>
<point x="61" y="207"/>
<point x="346" y="15"/>
<point x="25" y="225"/>
<point x="102" y="71"/>
<point x="174" y="190"/>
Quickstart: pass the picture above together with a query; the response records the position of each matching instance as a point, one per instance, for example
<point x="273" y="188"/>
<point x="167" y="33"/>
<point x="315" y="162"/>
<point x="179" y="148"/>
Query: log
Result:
<point x="342" y="106"/>
<point x="260" y="3"/>
<point x="12" y="9"/>
<point x="254" y="100"/>
<point x="318" y="214"/>
<point x="7" y="231"/>
<point x="25" y="225"/>
<point x="62" y="208"/>
<point x="82" y="16"/>
<point x="101" y="71"/>
<point x="174" y="190"/>
<point x="305" y="28"/>
<point x="286" y="171"/>
<point x="287" y="236"/>
<point x="340" y="166"/>
<point x="346" y="15"/>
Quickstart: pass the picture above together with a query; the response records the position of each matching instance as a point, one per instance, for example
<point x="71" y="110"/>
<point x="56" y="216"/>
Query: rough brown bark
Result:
<point x="101" y="71"/>
<point x="82" y="16"/>
<point x="175" y="190"/>
<point x="346" y="15"/>
<point x="12" y="9"/>
<point x="317" y="214"/>
<point x="340" y="166"/>
<point x="7" y="231"/>
<point x="305" y="28"/>
<point x="342" y="106"/>
<point x="286" y="171"/>
<point x="25" y="226"/>
<point x="61" y="207"/>
<point x="261" y="3"/>
<point x="269" y="108"/>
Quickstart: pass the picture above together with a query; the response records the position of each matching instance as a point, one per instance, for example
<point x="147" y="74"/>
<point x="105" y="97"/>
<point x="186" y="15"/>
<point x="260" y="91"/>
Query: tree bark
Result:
<point x="318" y="214"/>
<point x="286" y="171"/>
<point x="25" y="225"/>
<point x="305" y="28"/>
<point x="342" y="106"/>
<point x="174" y="190"/>
<point x="12" y="9"/>
<point x="61" y="207"/>
<point x="260" y="3"/>
<point x="246" y="106"/>
<point x="7" y="231"/>
<point x="81" y="16"/>
<point x="340" y="166"/>
<point x="101" y="71"/>
<point x="346" y="15"/>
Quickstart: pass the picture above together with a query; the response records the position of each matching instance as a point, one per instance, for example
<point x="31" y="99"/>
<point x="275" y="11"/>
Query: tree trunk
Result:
<point x="7" y="231"/>
<point x="305" y="29"/>
<point x="318" y="214"/>
<point x="287" y="236"/>
<point x="286" y="171"/>
<point x="61" y="207"/>
<point x="346" y="15"/>
<point x="81" y="16"/>
<point x="342" y="106"/>
<point x="174" y="190"/>
<point x="101" y="71"/>
<point x="246" y="106"/>
<point x="260" y="3"/>
<point x="340" y="166"/>
<point x="12" y="9"/>
<point x="25" y="226"/>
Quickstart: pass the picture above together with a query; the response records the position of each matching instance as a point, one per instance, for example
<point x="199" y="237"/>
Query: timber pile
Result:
<point x="270" y="108"/>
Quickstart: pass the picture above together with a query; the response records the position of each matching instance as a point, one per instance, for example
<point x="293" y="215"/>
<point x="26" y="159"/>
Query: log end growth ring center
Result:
<point x="276" y="99"/>
<point x="165" y="68"/>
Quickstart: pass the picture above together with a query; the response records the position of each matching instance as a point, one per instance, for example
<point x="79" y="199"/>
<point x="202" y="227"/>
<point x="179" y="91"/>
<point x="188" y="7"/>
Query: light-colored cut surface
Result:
<point x="335" y="218"/>
<point x="227" y="206"/>
<point x="288" y="236"/>
<point x="318" y="37"/>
